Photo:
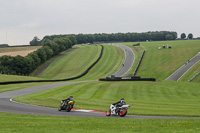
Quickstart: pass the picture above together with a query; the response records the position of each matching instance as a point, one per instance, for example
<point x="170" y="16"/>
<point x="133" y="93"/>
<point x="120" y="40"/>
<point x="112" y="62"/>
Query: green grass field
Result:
<point x="161" y="98"/>
<point x="111" y="61"/>
<point x="77" y="61"/>
<point x="72" y="64"/>
<point x="11" y="87"/>
<point x="166" y="98"/>
<point x="192" y="72"/>
<point x="160" y="64"/>
<point x="5" y="78"/>
<point x="19" y="123"/>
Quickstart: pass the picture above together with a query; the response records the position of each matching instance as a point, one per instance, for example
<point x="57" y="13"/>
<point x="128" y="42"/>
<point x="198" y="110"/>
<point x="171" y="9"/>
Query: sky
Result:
<point x="22" y="20"/>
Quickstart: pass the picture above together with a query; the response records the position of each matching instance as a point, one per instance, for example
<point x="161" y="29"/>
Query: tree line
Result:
<point x="19" y="65"/>
<point x="126" y="37"/>
<point x="121" y="37"/>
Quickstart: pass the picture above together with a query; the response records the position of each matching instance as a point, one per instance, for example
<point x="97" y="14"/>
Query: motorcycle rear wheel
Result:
<point x="123" y="113"/>
<point x="68" y="109"/>
<point x="108" y="113"/>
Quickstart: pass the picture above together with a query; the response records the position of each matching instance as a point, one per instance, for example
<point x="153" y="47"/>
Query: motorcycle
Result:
<point x="121" y="111"/>
<point x="66" y="106"/>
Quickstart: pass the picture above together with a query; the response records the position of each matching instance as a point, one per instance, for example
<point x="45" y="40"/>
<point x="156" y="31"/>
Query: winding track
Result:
<point x="7" y="105"/>
<point x="129" y="59"/>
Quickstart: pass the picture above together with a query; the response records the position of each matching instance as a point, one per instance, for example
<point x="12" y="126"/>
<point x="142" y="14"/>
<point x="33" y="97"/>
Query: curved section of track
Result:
<point x="7" y="105"/>
<point x="129" y="59"/>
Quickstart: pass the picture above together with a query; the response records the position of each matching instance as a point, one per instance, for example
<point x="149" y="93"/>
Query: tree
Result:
<point x="54" y="46"/>
<point x="35" y="42"/>
<point x="190" y="36"/>
<point x="169" y="37"/>
<point x="183" y="36"/>
<point x="36" y="59"/>
<point x="48" y="51"/>
<point x="42" y="54"/>
<point x="60" y="42"/>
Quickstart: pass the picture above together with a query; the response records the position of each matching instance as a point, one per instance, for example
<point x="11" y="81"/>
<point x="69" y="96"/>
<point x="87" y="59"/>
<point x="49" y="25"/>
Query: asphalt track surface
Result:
<point x="10" y="106"/>
<point x="129" y="59"/>
<point x="182" y="70"/>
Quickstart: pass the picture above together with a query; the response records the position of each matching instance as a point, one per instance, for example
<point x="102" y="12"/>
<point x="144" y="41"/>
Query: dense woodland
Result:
<point x="121" y="37"/>
<point x="19" y="65"/>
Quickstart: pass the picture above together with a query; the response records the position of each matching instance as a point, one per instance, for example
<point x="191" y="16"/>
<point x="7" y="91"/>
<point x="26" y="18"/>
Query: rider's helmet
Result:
<point x="122" y="101"/>
<point x="71" y="98"/>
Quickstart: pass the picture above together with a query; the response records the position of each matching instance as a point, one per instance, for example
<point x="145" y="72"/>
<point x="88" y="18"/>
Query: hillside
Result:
<point x="160" y="64"/>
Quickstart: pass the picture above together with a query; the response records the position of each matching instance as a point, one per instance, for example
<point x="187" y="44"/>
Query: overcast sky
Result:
<point x="21" y="20"/>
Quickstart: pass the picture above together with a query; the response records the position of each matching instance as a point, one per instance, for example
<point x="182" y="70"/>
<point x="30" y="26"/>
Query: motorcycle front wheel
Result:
<point x="123" y="113"/>
<point x="108" y="113"/>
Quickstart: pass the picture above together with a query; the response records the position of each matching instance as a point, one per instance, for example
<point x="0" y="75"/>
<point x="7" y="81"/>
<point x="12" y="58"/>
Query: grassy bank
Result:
<point x="167" y="98"/>
<point x="55" y="124"/>
<point x="192" y="72"/>
<point x="111" y="61"/>
<point x="160" y="64"/>
<point x="72" y="64"/>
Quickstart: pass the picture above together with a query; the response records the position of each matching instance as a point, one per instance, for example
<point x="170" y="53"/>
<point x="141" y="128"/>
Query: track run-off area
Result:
<point x="8" y="105"/>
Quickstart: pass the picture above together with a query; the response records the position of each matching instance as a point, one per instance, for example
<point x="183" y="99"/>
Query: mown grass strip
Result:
<point x="72" y="64"/>
<point x="111" y="61"/>
<point x="165" y="98"/>
<point x="160" y="64"/>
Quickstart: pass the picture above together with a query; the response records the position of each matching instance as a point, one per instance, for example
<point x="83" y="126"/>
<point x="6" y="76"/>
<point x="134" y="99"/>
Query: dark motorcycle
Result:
<point x="66" y="105"/>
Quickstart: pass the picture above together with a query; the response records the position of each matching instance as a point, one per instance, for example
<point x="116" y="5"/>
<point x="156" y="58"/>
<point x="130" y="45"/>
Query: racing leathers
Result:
<point x="116" y="106"/>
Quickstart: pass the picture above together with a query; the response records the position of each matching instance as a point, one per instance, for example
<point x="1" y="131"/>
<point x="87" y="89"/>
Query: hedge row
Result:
<point x="20" y="65"/>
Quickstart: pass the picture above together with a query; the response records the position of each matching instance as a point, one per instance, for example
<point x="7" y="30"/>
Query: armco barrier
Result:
<point x="194" y="77"/>
<point x="30" y="81"/>
<point x="138" y="65"/>
<point x="132" y="79"/>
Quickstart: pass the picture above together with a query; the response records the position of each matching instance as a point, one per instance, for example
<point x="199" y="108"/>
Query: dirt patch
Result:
<point x="22" y="53"/>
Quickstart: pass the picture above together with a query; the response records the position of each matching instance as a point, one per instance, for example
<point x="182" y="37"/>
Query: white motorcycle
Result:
<point x="121" y="111"/>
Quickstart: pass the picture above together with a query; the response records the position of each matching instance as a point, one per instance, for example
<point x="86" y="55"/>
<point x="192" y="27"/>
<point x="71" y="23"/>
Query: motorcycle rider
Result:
<point x="70" y="98"/>
<point x="116" y="105"/>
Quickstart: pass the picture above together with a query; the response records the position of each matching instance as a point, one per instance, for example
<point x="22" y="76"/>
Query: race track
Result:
<point x="181" y="71"/>
<point x="129" y="59"/>
<point x="10" y="106"/>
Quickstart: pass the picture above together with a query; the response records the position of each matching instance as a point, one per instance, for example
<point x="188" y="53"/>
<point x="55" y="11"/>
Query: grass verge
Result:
<point x="20" y="123"/>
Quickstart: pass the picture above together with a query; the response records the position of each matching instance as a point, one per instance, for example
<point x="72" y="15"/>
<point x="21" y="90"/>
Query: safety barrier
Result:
<point x="138" y="65"/>
<point x="127" y="79"/>
<point x="79" y="76"/>
<point x="194" y="77"/>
